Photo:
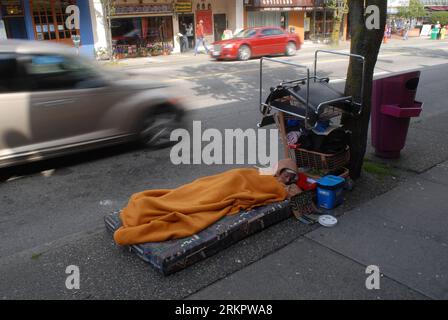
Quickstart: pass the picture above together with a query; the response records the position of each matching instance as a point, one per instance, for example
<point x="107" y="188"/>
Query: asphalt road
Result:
<point x="51" y="213"/>
<point x="208" y="83"/>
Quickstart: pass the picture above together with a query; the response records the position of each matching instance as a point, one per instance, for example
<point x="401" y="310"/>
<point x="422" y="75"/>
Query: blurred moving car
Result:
<point x="53" y="102"/>
<point x="257" y="42"/>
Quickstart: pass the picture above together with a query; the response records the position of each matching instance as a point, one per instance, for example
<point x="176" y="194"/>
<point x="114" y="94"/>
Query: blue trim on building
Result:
<point x="28" y="20"/>
<point x="87" y="41"/>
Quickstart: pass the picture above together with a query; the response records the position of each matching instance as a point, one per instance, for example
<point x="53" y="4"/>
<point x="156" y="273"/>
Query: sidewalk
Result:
<point x="189" y="57"/>
<point x="404" y="232"/>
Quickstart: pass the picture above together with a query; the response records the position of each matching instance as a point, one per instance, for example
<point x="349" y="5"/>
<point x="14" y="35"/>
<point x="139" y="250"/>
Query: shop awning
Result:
<point x="438" y="8"/>
<point x="285" y="9"/>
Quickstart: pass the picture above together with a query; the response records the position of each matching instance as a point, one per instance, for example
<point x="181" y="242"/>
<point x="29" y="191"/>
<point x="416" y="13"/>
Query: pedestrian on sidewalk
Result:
<point x="200" y="37"/>
<point x="183" y="40"/>
<point x="190" y="35"/>
<point x="407" y="27"/>
<point x="385" y="34"/>
<point x="439" y="35"/>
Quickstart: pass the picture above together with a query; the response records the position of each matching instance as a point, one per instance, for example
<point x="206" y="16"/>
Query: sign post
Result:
<point x="72" y="23"/>
<point x="76" y="41"/>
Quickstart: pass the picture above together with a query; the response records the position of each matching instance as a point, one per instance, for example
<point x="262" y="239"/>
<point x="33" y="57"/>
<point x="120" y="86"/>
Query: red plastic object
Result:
<point x="393" y="105"/>
<point x="304" y="184"/>
<point x="293" y="146"/>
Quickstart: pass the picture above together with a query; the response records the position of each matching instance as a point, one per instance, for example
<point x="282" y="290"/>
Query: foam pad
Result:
<point x="174" y="255"/>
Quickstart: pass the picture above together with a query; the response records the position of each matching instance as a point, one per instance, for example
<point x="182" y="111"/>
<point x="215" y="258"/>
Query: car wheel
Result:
<point x="244" y="53"/>
<point x="291" y="49"/>
<point x="158" y="125"/>
<point x="4" y="175"/>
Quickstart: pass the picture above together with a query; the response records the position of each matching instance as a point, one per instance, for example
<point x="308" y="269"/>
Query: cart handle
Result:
<point x="356" y="56"/>
<point x="290" y="64"/>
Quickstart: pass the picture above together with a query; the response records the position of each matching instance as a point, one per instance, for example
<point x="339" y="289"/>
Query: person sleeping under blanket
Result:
<point x="160" y="215"/>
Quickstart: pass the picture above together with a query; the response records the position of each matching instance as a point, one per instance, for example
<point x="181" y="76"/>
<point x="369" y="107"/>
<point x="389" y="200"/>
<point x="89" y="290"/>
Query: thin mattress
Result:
<point x="174" y="255"/>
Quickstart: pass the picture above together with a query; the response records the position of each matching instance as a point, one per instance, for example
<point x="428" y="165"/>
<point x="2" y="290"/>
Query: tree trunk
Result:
<point x="106" y="6"/>
<point x="340" y="8"/>
<point x="366" y="43"/>
<point x="336" y="34"/>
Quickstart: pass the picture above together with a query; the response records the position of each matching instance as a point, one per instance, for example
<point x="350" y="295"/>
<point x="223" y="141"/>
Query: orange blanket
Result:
<point x="159" y="215"/>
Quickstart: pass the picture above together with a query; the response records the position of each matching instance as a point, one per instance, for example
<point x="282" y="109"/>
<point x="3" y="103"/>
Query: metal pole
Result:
<point x="261" y="83"/>
<point x="325" y="23"/>
<point x="307" y="97"/>
<point x="314" y="20"/>
<point x="109" y="30"/>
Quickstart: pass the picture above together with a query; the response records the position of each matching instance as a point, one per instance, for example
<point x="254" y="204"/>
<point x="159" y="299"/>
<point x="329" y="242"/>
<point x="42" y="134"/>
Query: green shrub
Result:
<point x="442" y="17"/>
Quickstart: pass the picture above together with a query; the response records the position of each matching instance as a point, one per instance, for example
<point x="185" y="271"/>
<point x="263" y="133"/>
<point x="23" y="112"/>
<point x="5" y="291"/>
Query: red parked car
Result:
<point x="257" y="42"/>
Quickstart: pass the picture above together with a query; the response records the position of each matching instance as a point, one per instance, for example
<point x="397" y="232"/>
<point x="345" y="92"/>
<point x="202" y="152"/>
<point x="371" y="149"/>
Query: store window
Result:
<point x="49" y="20"/>
<point x="321" y="24"/>
<point x="142" y="36"/>
<point x="261" y="18"/>
<point x="12" y="20"/>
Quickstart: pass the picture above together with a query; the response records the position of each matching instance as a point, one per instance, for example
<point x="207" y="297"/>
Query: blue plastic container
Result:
<point x="330" y="192"/>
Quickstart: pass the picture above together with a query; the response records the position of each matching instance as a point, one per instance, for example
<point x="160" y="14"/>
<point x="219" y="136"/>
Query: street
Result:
<point x="52" y="211"/>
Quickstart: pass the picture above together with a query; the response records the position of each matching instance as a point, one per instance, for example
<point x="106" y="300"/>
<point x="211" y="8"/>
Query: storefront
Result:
<point x="48" y="20"/>
<point x="142" y="29"/>
<point x="321" y="23"/>
<point x="148" y="27"/>
<point x="310" y="19"/>
<point x="287" y="14"/>
<point x="186" y="24"/>
<point x="218" y="16"/>
<point x="12" y="20"/>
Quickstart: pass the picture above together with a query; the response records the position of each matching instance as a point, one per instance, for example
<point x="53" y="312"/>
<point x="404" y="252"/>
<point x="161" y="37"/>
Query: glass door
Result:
<point x="220" y="22"/>
<point x="49" y="20"/>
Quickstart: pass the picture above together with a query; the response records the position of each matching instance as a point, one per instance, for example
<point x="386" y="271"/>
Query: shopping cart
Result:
<point x="311" y="98"/>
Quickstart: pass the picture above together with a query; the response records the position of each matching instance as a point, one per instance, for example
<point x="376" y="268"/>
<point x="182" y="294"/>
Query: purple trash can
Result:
<point x="393" y="106"/>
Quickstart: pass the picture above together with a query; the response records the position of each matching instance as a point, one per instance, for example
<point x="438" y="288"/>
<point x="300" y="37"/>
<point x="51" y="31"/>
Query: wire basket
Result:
<point x="321" y="161"/>
<point x="341" y="172"/>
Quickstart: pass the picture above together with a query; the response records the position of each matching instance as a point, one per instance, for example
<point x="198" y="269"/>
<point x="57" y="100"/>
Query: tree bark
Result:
<point x="340" y="9"/>
<point x="106" y="6"/>
<point x="336" y="34"/>
<point x="366" y="43"/>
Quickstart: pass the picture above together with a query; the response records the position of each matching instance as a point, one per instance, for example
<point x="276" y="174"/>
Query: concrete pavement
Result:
<point x="403" y="232"/>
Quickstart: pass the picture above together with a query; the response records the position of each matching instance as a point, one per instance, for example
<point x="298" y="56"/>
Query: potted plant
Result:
<point x="167" y="48"/>
<point x="142" y="52"/>
<point x="119" y="52"/>
<point x="101" y="53"/>
<point x="156" y="49"/>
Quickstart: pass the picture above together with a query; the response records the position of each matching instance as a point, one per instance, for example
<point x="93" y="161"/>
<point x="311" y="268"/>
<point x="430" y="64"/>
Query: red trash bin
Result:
<point x="393" y="106"/>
